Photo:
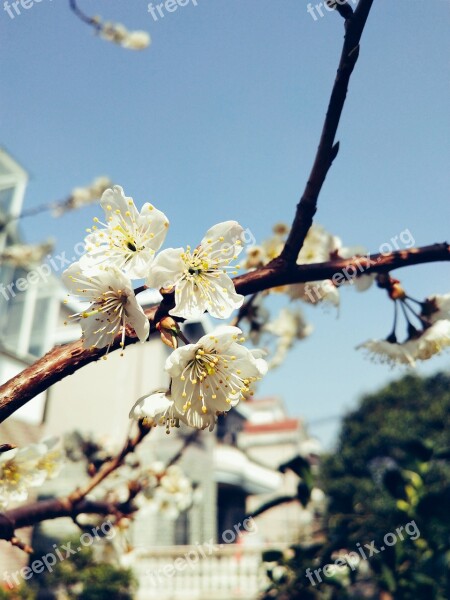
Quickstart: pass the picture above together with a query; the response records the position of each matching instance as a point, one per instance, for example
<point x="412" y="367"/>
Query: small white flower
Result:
<point x="431" y="341"/>
<point x="318" y="246"/>
<point x="256" y="257"/>
<point x="315" y="292"/>
<point x="25" y="255"/>
<point x="21" y="470"/>
<point x="168" y="492"/>
<point x="113" y="305"/>
<point x="437" y="307"/>
<point x="53" y="458"/>
<point x="119" y="34"/>
<point x="390" y="352"/>
<point x="211" y="376"/>
<point x="200" y="276"/>
<point x="157" y="408"/>
<point x="130" y="239"/>
<point x="137" y="40"/>
<point x="288" y="326"/>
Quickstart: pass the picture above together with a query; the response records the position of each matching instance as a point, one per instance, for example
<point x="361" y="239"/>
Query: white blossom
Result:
<point x="432" y="340"/>
<point x="200" y="276"/>
<point x="130" y="239"/>
<point x="157" y="408"/>
<point x="290" y="325"/>
<point x="213" y="375"/>
<point x="113" y="305"/>
<point x="392" y="353"/>
<point x="167" y="491"/>
<point x="119" y="34"/>
<point x="315" y="292"/>
<point x="82" y="196"/>
<point x="25" y="255"/>
<point x="437" y="307"/>
<point x="53" y="458"/>
<point x="319" y="246"/>
<point x="25" y="468"/>
<point x="137" y="40"/>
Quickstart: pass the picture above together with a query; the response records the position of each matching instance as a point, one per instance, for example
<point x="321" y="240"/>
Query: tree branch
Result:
<point x="77" y="503"/>
<point x="327" y="150"/>
<point x="65" y="360"/>
<point x="110" y="466"/>
<point x="271" y="504"/>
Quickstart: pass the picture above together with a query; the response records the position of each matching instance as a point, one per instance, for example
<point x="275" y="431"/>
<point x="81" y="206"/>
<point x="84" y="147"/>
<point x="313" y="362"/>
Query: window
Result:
<point x="6" y="197"/>
<point x="25" y="315"/>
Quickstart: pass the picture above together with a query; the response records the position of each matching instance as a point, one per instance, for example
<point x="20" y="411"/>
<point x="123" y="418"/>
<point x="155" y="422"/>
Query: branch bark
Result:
<point x="65" y="360"/>
<point x="328" y="149"/>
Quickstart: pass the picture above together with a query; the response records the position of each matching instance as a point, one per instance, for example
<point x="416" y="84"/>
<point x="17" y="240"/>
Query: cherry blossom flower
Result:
<point x="25" y="468"/>
<point x="119" y="34"/>
<point x="290" y="325"/>
<point x="200" y="276"/>
<point x="165" y="490"/>
<point x="436" y="307"/>
<point x="82" y="196"/>
<point x="156" y="408"/>
<point x="432" y="340"/>
<point x="53" y="458"/>
<point x="113" y="305"/>
<point x="213" y="375"/>
<point x="386" y="352"/>
<point x="26" y="255"/>
<point x="130" y="239"/>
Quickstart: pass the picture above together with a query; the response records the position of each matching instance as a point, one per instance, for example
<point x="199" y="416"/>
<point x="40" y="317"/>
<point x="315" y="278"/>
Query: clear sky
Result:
<point x="219" y="119"/>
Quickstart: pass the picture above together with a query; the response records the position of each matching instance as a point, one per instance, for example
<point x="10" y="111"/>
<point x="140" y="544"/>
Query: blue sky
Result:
<point x="220" y="118"/>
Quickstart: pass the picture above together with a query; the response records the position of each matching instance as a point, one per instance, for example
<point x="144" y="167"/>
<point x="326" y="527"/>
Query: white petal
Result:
<point x="137" y="318"/>
<point x="151" y="406"/>
<point x="114" y="199"/>
<point x="166" y="269"/>
<point x="223" y="241"/>
<point x="190" y="302"/>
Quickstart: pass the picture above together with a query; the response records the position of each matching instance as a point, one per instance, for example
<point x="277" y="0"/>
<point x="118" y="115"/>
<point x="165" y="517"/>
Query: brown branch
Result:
<point x="111" y="465"/>
<point x="271" y="504"/>
<point x="65" y="360"/>
<point x="328" y="149"/>
<point x="73" y="5"/>
<point x="343" y="8"/>
<point x="36" y="512"/>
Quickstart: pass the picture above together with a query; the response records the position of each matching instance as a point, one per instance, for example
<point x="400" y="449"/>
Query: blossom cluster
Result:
<point x="119" y="34"/>
<point x="28" y="467"/>
<point x="166" y="491"/>
<point x="423" y="341"/>
<point x="207" y="378"/>
<point x="25" y="255"/>
<point x="82" y="196"/>
<point x="319" y="246"/>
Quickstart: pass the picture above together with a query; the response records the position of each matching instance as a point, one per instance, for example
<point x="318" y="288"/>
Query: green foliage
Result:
<point x="391" y="468"/>
<point x="81" y="577"/>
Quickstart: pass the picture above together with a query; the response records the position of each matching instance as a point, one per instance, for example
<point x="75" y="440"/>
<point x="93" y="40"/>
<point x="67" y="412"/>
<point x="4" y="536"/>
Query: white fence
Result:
<point x="203" y="572"/>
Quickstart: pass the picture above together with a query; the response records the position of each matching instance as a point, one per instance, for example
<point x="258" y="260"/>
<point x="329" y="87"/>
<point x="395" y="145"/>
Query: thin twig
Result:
<point x="83" y="16"/>
<point x="328" y="149"/>
<point x="110" y="466"/>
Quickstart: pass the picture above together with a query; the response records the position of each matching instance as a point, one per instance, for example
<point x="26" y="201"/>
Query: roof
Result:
<point x="285" y="425"/>
<point x="233" y="467"/>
